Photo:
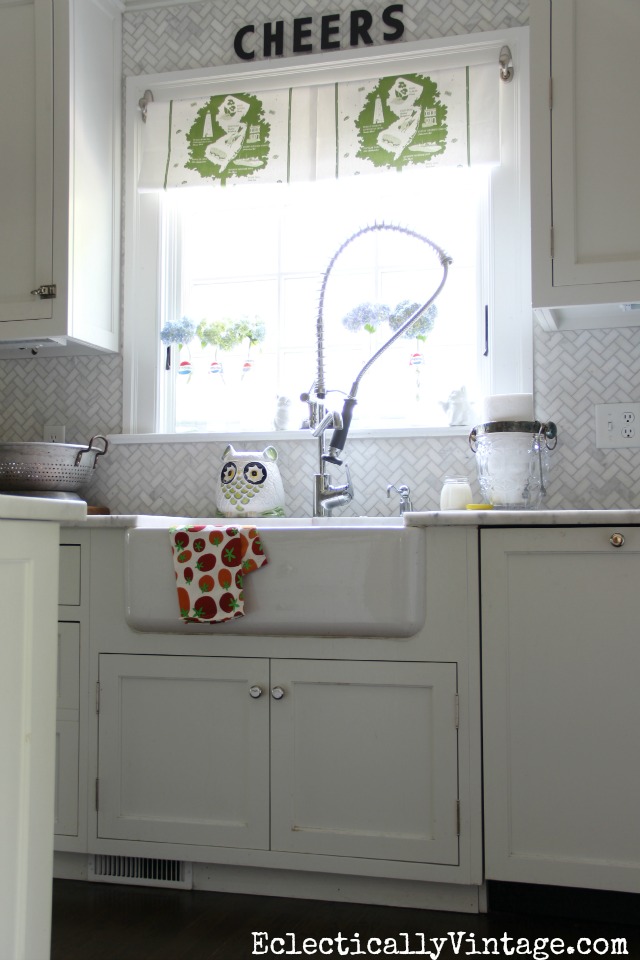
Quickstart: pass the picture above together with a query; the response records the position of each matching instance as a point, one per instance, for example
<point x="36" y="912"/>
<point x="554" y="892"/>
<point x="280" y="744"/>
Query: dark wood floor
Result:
<point x="108" y="922"/>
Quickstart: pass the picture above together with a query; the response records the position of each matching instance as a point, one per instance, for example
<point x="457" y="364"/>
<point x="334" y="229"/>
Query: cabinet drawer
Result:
<point x="69" y="580"/>
<point x="68" y="666"/>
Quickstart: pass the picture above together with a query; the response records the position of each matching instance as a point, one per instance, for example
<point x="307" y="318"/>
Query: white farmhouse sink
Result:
<point x="339" y="576"/>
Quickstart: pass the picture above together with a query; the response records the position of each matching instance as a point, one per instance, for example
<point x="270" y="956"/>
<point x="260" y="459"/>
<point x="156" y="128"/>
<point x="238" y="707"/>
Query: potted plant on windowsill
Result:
<point x="178" y="332"/>
<point x="226" y="335"/>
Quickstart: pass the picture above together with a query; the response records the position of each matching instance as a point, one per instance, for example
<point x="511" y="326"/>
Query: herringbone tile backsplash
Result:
<point x="572" y="371"/>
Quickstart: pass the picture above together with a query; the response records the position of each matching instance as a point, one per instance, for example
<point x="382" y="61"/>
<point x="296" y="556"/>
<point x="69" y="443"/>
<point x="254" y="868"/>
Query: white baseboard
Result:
<point x="70" y="866"/>
<point x="458" y="898"/>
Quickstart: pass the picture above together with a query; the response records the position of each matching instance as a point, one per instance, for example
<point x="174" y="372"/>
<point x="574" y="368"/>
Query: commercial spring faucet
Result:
<point x="326" y="496"/>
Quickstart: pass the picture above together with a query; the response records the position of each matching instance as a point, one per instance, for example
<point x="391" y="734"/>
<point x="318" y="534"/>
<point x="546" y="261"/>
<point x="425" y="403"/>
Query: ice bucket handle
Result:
<point x="547" y="430"/>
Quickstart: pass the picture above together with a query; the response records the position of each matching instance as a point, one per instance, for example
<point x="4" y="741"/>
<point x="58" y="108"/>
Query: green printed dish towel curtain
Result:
<point x="448" y="117"/>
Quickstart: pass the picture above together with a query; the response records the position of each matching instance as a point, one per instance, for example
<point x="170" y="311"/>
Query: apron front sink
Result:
<point x="354" y="577"/>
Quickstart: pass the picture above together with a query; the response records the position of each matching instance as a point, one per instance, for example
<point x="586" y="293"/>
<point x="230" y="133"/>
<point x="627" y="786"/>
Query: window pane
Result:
<point x="257" y="256"/>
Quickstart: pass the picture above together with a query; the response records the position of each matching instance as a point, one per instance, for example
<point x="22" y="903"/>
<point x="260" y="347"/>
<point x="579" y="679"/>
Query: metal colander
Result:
<point x="64" y="467"/>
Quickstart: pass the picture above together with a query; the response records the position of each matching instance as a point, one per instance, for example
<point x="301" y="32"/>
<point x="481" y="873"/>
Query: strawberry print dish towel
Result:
<point x="210" y="564"/>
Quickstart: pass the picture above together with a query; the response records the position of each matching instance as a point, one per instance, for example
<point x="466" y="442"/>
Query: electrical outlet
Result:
<point x="617" y="425"/>
<point x="53" y="433"/>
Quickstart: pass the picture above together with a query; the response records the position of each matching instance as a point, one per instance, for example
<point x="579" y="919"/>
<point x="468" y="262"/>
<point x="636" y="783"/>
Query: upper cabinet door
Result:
<point x="585" y="145"/>
<point x="60" y="75"/>
<point x="26" y="159"/>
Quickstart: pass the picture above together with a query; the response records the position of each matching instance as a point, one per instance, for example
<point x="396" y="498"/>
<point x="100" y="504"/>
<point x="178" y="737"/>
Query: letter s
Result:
<point x="237" y="43"/>
<point x="390" y="21"/>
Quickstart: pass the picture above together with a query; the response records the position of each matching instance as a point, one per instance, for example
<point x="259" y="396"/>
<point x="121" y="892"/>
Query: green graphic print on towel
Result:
<point x="402" y="122"/>
<point x="229" y="138"/>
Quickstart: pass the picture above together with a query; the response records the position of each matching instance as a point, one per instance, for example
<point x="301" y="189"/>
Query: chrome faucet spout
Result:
<point x="326" y="495"/>
<point x="331" y="419"/>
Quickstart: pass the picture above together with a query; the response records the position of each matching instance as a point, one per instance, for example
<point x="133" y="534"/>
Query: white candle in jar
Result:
<point x="456" y="493"/>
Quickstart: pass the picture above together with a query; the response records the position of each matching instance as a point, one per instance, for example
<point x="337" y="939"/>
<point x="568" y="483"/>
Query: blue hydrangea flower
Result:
<point x="178" y="331"/>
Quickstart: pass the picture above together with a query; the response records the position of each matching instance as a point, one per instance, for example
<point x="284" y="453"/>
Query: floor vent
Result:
<point x="140" y="871"/>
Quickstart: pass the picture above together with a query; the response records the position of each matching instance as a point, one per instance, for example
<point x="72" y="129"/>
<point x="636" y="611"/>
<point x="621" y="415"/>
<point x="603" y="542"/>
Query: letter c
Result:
<point x="237" y="43"/>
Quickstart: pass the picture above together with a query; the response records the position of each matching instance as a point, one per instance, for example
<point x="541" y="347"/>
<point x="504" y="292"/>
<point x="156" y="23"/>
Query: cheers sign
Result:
<point x="335" y="28"/>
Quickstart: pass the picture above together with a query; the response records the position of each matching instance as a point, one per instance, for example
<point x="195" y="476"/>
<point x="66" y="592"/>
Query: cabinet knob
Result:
<point x="616" y="539"/>
<point x="255" y="692"/>
<point x="277" y="693"/>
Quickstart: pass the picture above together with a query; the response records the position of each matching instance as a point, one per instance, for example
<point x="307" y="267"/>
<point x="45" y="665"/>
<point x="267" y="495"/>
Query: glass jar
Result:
<point x="512" y="459"/>
<point x="455" y="494"/>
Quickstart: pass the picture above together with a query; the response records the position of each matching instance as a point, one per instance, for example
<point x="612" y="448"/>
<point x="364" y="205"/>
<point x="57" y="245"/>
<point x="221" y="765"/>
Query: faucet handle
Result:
<point x="350" y="488"/>
<point x="405" y="496"/>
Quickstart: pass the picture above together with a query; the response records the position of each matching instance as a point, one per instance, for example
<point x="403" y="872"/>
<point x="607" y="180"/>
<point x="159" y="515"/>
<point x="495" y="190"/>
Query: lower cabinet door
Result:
<point x="365" y="759"/>
<point x="66" y="796"/>
<point x="67" y="730"/>
<point x="184" y="750"/>
<point x="561" y="662"/>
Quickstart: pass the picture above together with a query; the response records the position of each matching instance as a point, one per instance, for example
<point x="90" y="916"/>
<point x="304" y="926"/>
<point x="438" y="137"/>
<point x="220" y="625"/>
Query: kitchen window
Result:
<point x="244" y="264"/>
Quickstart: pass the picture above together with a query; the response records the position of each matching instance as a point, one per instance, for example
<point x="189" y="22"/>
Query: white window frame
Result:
<point x="508" y="367"/>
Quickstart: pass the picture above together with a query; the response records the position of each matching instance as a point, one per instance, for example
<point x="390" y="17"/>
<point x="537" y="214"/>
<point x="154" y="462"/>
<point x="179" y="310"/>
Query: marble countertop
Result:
<point x="426" y="518"/>
<point x="15" y="507"/>
<point x="107" y="521"/>
<point x="521" y="518"/>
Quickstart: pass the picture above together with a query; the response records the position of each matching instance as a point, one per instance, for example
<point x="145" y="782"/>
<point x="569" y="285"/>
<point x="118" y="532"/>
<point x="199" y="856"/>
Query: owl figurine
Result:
<point x="250" y="484"/>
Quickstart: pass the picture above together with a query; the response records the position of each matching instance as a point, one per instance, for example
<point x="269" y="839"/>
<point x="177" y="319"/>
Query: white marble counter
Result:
<point x="106" y="521"/>
<point x="522" y="518"/>
<point x="426" y="518"/>
<point x="15" y="507"/>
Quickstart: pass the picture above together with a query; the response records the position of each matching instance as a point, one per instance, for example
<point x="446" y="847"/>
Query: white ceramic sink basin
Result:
<point x="361" y="576"/>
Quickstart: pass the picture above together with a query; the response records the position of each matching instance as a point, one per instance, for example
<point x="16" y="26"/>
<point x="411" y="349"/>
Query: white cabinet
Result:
<point x="332" y="763"/>
<point x="59" y="189"/>
<point x="184" y="750"/>
<point x="70" y="813"/>
<point x="26" y="183"/>
<point x="585" y="142"/>
<point x="337" y="758"/>
<point x="561" y="661"/>
<point x="28" y="580"/>
<point x="67" y="730"/>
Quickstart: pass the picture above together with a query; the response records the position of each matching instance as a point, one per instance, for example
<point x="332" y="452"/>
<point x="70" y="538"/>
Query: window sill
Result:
<point x="272" y="436"/>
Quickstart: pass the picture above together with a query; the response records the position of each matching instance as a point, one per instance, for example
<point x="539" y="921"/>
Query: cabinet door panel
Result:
<point x="561" y="659"/>
<point x="66" y="795"/>
<point x="364" y="760"/>
<point x="68" y="670"/>
<point x="183" y="750"/>
<point x="595" y="141"/>
<point x="26" y="166"/>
